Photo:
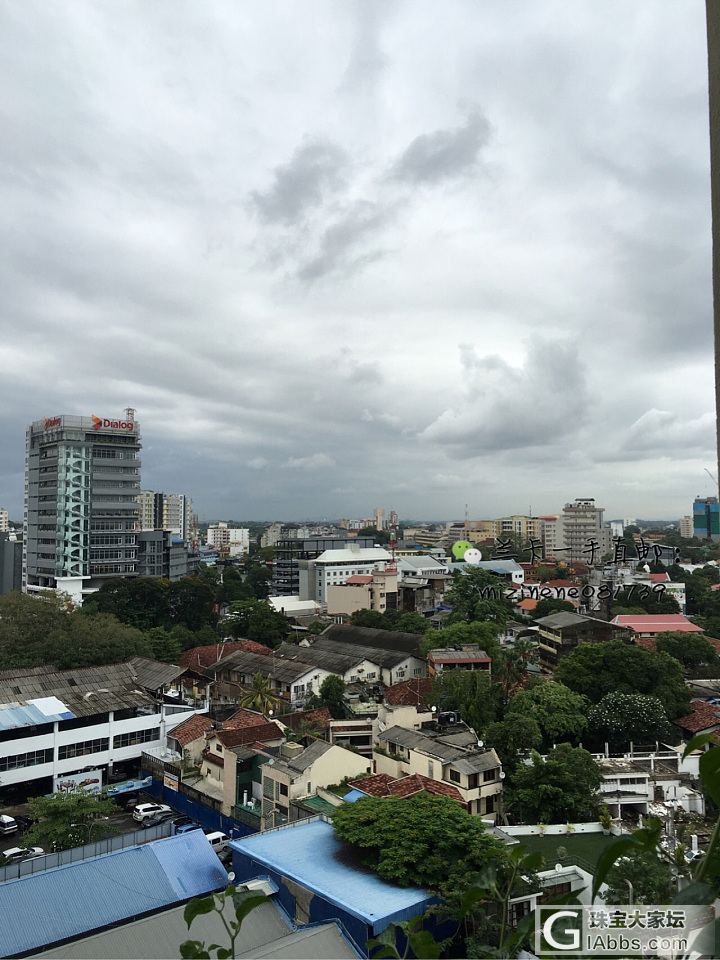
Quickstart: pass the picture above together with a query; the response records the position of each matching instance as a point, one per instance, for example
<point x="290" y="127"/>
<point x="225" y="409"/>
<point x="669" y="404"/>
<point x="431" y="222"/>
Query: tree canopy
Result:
<point x="620" y="718"/>
<point x="255" y="620"/>
<point x="420" y="841"/>
<point x="595" y="669"/>
<point x="691" y="649"/>
<point x="559" y="789"/>
<point x="560" y="713"/>
<point x="66" y="820"/>
<point x="478" y="595"/>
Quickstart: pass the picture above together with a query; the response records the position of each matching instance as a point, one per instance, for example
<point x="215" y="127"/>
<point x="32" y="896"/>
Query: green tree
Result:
<point x="332" y="691"/>
<point x="192" y="603"/>
<point x="471" y="692"/>
<point x="256" y="620"/>
<point x="650" y="601"/>
<point x="691" y="649"/>
<point x="651" y="879"/>
<point x="368" y="618"/>
<point x="595" y="669"/>
<point x="620" y="718"/>
<point x="511" y="736"/>
<point x="141" y="602"/>
<point x="260" y="696"/>
<point x="87" y="641"/>
<point x="560" y="713"/>
<point x="166" y="646"/>
<point x="243" y="903"/>
<point x="66" y="820"/>
<point x="420" y="841"/>
<point x="559" y="789"/>
<point x="379" y="536"/>
<point x="478" y="595"/>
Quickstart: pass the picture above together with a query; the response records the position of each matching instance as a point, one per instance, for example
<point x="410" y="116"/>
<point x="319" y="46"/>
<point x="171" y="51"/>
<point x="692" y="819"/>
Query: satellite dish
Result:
<point x="481" y="743"/>
<point x="231" y="876"/>
<point x="558" y="867"/>
<point x="502" y="774"/>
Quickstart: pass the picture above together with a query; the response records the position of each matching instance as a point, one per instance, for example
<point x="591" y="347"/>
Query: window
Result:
<point x="490" y="804"/>
<point x="431" y="770"/>
<point x="83" y="748"/>
<point x="489" y="775"/>
<point x="268" y="788"/>
<point x="30" y="759"/>
<point x="137" y="736"/>
<point x="455" y="776"/>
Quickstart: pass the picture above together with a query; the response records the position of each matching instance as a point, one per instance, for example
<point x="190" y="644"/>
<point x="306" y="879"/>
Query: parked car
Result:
<point x="217" y="840"/>
<point x="182" y="821"/>
<point x="188" y="826"/>
<point x="144" y="810"/>
<point x="7" y="824"/>
<point x="691" y="856"/>
<point x="15" y="854"/>
<point x="157" y="819"/>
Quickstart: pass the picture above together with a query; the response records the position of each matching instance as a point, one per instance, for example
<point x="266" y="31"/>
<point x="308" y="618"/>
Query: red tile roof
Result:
<point x="359" y="578"/>
<point x="244" y="718"/>
<point x="375" y="785"/>
<point x="242" y="735"/>
<point x="416" y="783"/>
<point x="319" y="717"/>
<point x="409" y="693"/>
<point x="191" y="729"/>
<point x="660" y="577"/>
<point x="383" y="785"/>
<point x="703" y="715"/>
<point x="200" y="658"/>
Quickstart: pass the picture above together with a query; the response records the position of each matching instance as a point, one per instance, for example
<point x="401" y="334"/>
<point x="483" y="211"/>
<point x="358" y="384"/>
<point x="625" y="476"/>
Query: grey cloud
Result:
<point x="317" y="461"/>
<point x="437" y="156"/>
<point x="508" y="408"/>
<point x="340" y="246"/>
<point x="317" y="168"/>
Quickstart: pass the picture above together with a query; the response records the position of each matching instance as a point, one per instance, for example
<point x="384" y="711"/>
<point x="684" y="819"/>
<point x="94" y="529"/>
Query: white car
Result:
<point x="144" y="810"/>
<point x="691" y="856"/>
<point x="14" y="854"/>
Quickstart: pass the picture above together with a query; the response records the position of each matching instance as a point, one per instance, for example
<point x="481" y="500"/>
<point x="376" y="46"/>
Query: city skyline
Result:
<point x="367" y="253"/>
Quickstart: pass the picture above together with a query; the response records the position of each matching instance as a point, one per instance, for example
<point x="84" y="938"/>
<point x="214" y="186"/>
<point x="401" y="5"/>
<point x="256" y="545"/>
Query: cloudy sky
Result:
<point x="344" y="253"/>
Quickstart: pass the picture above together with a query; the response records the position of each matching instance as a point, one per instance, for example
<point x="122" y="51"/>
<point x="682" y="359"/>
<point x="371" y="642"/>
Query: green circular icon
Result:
<point x="460" y="547"/>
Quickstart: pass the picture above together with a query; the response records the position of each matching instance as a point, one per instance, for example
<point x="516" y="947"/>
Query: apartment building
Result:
<point x="374" y="591"/>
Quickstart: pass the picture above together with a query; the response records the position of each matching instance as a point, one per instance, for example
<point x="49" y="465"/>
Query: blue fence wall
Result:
<point x="205" y="816"/>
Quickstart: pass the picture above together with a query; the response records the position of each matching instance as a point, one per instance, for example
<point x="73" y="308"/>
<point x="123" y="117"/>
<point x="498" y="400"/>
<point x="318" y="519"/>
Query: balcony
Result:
<point x="211" y="757"/>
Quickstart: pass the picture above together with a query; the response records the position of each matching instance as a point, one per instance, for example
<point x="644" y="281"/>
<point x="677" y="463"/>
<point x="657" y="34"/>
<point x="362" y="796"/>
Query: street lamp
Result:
<point x="87" y="826"/>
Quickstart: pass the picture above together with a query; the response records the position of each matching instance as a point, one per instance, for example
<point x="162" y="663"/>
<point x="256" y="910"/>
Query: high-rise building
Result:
<point x="706" y="518"/>
<point x="82" y="479"/>
<point x="4" y="521"/>
<point x="585" y="536"/>
<point x="165" y="511"/>
<point x="686" y="528"/>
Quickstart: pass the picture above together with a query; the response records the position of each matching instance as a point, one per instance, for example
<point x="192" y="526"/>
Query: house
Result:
<point x="449" y="753"/>
<point x="703" y="718"/>
<point x="467" y="656"/>
<point x="356" y="663"/>
<point x="234" y="674"/>
<point x="560" y="633"/>
<point x="397" y="640"/>
<point x="317" y="878"/>
<point x="377" y="590"/>
<point x="298" y="770"/>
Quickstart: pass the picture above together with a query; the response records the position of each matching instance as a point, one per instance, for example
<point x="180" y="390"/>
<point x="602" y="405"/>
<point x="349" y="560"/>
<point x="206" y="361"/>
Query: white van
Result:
<point x="218" y="840"/>
<point x="7" y="824"/>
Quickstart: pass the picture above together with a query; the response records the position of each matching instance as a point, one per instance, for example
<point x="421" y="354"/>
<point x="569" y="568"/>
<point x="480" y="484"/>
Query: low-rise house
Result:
<point x="704" y="717"/>
<point x="383" y="785"/>
<point x="450" y="754"/>
<point x="298" y="770"/>
<point x="405" y="705"/>
<point x="371" y="591"/>
<point x="560" y="633"/>
<point x="467" y="656"/>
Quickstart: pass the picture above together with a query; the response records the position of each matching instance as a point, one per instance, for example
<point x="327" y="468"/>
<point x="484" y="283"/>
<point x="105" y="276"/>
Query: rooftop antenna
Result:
<point x="129" y="415"/>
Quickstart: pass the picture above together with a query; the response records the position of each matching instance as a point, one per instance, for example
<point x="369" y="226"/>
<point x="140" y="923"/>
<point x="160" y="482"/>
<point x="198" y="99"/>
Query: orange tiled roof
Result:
<point x="242" y="735"/>
<point x="320" y="717"/>
<point x="375" y="785"/>
<point x="383" y="785"/>
<point x="191" y="729"/>
<point x="409" y="693"/>
<point x="703" y="715"/>
<point x="200" y="658"/>
<point x="244" y="718"/>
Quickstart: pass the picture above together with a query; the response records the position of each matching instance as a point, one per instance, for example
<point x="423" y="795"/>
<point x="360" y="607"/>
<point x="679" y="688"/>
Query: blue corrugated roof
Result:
<point x="72" y="900"/>
<point x="27" y="714"/>
<point x="311" y="854"/>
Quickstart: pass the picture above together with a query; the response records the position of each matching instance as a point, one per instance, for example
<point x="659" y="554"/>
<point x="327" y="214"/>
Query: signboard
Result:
<point x="170" y="781"/>
<point x="91" y="781"/>
<point x="128" y="786"/>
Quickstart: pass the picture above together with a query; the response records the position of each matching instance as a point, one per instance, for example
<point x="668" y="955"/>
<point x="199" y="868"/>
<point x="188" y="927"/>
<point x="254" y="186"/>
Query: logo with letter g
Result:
<point x="547" y="931"/>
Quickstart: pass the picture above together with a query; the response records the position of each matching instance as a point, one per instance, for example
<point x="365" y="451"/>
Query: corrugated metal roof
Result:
<point x="74" y="899"/>
<point x="311" y="855"/>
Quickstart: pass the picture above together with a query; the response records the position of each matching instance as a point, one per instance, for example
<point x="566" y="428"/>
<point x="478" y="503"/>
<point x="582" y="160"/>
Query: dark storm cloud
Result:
<point x="443" y="154"/>
<point x="346" y="244"/>
<point x="317" y="169"/>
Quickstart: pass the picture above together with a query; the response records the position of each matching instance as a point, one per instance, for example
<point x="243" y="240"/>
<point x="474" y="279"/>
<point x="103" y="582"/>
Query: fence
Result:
<point x="202" y="809"/>
<point x="89" y="850"/>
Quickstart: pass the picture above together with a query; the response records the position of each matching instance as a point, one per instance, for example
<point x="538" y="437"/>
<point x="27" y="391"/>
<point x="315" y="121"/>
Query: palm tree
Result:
<point x="260" y="696"/>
